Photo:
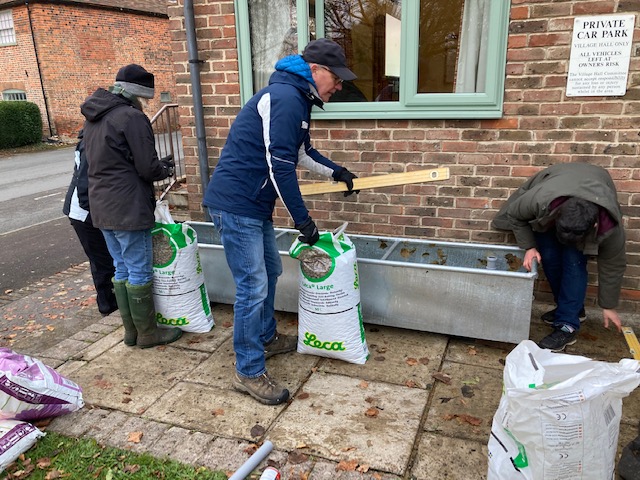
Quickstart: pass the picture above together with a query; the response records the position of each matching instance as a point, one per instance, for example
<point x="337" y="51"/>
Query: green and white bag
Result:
<point x="179" y="292"/>
<point x="329" y="313"/>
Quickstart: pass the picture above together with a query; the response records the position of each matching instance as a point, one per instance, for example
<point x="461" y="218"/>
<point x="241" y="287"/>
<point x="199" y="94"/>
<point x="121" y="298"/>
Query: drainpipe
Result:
<point x="196" y="88"/>
<point x="35" y="49"/>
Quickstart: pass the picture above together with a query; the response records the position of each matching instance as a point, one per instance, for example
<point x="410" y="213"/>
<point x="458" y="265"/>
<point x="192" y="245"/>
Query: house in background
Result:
<point x="55" y="54"/>
<point x="479" y="86"/>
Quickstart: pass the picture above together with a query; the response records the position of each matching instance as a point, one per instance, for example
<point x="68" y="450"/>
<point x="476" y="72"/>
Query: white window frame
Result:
<point x="11" y="94"/>
<point x="411" y="105"/>
<point x="7" y="29"/>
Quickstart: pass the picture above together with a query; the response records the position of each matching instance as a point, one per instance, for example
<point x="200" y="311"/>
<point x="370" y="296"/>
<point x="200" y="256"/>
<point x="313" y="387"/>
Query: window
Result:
<point x="413" y="58"/>
<point x="13" y="95"/>
<point x="7" y="33"/>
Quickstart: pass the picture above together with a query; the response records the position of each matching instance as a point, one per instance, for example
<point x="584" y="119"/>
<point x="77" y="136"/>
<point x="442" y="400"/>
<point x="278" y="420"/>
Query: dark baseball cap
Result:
<point x="328" y="53"/>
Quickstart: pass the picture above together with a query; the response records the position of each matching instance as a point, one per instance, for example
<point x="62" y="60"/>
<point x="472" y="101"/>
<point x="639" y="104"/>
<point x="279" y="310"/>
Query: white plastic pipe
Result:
<point x="254" y="460"/>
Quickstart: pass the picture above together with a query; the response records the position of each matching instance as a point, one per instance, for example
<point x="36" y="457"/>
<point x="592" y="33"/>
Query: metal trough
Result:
<point x="441" y="287"/>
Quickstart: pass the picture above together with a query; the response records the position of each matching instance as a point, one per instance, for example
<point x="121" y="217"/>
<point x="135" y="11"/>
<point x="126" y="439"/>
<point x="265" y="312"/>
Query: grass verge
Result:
<point x="55" y="456"/>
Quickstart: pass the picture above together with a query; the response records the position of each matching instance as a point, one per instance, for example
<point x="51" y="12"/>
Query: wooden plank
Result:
<point x="632" y="341"/>
<point x="376" y="181"/>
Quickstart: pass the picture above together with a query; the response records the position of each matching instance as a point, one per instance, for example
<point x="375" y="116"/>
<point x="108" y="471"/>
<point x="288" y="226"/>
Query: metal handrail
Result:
<point x="168" y="139"/>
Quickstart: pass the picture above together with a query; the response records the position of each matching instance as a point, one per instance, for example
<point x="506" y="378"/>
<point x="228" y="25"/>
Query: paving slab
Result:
<point x="105" y="430"/>
<point x="465" y="407"/>
<point x="399" y="356"/>
<point x="220" y="411"/>
<point x="443" y="457"/>
<point x="228" y="454"/>
<point x="323" y="470"/>
<point x="76" y="424"/>
<point x="151" y="432"/>
<point x="345" y="418"/>
<point x="478" y="352"/>
<point x="132" y="379"/>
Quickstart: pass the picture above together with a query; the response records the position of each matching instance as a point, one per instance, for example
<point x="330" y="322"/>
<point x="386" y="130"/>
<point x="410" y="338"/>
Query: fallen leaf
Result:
<point x="372" y="412"/>
<point x="411" y="361"/>
<point x="471" y="350"/>
<point x="251" y="449"/>
<point x="131" y="468"/>
<point x="379" y="358"/>
<point x="382" y="349"/>
<point x="363" y="384"/>
<point x="467" y="391"/>
<point x="217" y="412"/>
<point x="363" y="468"/>
<point x="411" y="384"/>
<point x="347" y="466"/>
<point x="128" y="390"/>
<point x="126" y="400"/>
<point x="227" y="324"/>
<point x="53" y="474"/>
<point x="424" y="360"/>
<point x="257" y="430"/>
<point x="297" y="457"/>
<point x="475" y="381"/>
<point x="443" y="377"/>
<point x="302" y="396"/>
<point x="469" y="419"/>
<point x="134" y="437"/>
<point x="301" y="445"/>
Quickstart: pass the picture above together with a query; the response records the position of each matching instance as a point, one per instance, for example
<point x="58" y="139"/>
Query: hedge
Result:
<point x="20" y="124"/>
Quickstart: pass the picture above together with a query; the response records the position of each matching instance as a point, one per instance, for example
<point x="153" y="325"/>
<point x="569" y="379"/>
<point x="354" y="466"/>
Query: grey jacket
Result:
<point x="528" y="210"/>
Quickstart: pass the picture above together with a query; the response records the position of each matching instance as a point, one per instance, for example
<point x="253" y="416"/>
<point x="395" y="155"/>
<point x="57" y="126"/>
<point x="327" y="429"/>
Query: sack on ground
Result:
<point x="30" y="390"/>
<point x="329" y="313"/>
<point x="179" y="292"/>
<point x="559" y="415"/>
<point x="16" y="437"/>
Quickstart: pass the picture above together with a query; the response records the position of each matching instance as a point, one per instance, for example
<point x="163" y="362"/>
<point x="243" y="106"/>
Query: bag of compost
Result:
<point x="329" y="313"/>
<point x="179" y="292"/>
<point x="559" y="415"/>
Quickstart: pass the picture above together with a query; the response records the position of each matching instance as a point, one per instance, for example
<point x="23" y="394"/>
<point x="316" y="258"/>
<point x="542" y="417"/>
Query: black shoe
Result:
<point x="559" y="339"/>
<point x="550" y="317"/>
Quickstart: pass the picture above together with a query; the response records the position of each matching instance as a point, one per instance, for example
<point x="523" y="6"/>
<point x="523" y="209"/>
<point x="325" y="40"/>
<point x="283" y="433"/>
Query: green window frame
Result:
<point x="411" y="104"/>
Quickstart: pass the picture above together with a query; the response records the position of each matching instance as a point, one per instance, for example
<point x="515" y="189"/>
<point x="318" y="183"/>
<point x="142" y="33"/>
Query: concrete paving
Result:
<point x="388" y="419"/>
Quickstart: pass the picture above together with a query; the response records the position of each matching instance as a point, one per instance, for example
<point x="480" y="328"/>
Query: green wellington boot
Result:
<point x="130" y="332"/>
<point x="144" y="318"/>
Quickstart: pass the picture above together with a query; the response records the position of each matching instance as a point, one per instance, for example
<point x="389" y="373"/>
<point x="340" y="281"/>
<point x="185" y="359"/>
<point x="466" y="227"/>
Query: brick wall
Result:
<point x="81" y="49"/>
<point x="488" y="159"/>
<point x="19" y="66"/>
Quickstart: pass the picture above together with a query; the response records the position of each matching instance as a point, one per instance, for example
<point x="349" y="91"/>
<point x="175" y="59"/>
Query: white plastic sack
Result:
<point x="15" y="438"/>
<point x="329" y="313"/>
<point x="559" y="416"/>
<point x="30" y="390"/>
<point x="179" y="292"/>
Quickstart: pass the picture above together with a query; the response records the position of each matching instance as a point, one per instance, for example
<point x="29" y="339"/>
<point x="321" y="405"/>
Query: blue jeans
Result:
<point x="566" y="270"/>
<point x="253" y="258"/>
<point x="132" y="252"/>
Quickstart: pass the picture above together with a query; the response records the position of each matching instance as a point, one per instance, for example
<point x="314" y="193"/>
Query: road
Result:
<point x="36" y="239"/>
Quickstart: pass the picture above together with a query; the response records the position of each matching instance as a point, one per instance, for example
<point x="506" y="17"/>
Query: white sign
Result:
<point x="600" y="53"/>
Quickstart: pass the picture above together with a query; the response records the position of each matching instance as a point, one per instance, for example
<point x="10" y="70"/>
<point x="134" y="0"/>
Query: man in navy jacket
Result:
<point x="267" y="141"/>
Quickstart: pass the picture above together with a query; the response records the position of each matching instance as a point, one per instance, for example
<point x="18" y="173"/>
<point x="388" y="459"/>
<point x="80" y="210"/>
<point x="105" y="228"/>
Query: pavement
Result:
<point x="391" y="418"/>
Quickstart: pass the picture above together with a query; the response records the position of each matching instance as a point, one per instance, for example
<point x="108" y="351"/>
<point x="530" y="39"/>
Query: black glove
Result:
<point x="309" y="232"/>
<point x="344" y="175"/>
<point x="168" y="164"/>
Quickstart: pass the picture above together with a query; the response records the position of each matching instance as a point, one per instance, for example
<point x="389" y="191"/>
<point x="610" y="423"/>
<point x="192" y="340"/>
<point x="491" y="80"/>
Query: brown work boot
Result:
<point x="262" y="388"/>
<point x="281" y="343"/>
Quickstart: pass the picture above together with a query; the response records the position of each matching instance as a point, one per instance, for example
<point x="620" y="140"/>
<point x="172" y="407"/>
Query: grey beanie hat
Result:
<point x="136" y="80"/>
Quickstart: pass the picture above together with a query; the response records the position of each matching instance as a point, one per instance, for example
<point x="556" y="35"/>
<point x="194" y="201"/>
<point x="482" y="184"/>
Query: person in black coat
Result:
<point x="76" y="207"/>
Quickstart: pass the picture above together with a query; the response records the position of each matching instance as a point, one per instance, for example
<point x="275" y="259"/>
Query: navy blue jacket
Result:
<point x="266" y="142"/>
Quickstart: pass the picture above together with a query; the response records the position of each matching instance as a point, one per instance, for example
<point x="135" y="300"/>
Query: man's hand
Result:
<point x="309" y="232"/>
<point x="344" y="175"/>
<point x="168" y="164"/>
<point x="611" y="315"/>
<point x="529" y="256"/>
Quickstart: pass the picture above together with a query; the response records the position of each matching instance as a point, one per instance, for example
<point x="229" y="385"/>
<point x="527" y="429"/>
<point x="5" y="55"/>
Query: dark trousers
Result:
<point x="566" y="270"/>
<point x="102" y="269"/>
